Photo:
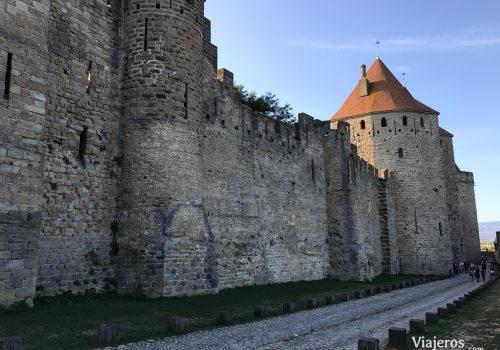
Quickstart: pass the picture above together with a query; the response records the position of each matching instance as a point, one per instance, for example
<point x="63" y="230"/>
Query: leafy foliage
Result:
<point x="267" y="104"/>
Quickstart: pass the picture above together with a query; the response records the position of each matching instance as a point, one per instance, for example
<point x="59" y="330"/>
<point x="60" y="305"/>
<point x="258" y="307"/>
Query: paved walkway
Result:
<point x="334" y="327"/>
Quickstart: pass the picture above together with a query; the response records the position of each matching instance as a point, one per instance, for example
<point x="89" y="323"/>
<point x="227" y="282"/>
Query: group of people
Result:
<point x="476" y="272"/>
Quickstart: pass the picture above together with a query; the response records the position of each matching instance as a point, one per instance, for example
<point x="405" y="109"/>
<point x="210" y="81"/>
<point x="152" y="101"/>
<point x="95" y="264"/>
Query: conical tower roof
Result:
<point x="385" y="94"/>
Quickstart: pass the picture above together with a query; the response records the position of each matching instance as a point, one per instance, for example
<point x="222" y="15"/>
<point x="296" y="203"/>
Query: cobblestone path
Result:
<point x="334" y="327"/>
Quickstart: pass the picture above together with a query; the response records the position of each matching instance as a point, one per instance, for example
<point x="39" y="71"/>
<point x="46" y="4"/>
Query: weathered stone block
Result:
<point x="176" y="324"/>
<point x="329" y="299"/>
<point x="452" y="308"/>
<point x="443" y="312"/>
<point x="11" y="343"/>
<point x="310" y="303"/>
<point x="397" y="337"/>
<point x="431" y="317"/>
<point x="458" y="304"/>
<point x="260" y="311"/>
<point x="358" y="294"/>
<point x="417" y="326"/>
<point x="378" y="290"/>
<point x="223" y="318"/>
<point x="288" y="308"/>
<point x="108" y="334"/>
<point x="344" y="297"/>
<point x="368" y="344"/>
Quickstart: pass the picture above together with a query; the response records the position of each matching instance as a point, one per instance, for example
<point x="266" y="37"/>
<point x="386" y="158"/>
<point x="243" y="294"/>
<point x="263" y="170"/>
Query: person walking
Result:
<point x="477" y="273"/>
<point x="471" y="274"/>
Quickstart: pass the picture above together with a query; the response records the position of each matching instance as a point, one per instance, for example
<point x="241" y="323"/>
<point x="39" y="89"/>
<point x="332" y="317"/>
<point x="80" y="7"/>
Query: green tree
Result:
<point x="268" y="104"/>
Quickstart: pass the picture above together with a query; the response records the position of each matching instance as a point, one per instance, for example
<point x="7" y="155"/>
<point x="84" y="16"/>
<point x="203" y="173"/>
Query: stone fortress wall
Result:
<point x="128" y="164"/>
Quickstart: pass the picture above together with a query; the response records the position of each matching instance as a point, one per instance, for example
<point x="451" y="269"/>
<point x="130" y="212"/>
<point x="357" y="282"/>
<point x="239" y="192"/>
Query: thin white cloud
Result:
<point x="455" y="41"/>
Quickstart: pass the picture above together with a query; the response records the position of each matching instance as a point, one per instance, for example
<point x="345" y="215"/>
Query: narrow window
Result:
<point x="158" y="6"/>
<point x="137" y="6"/>
<point x="313" y="175"/>
<point x="352" y="170"/>
<point x="215" y="106"/>
<point x="8" y="73"/>
<point x="108" y="3"/>
<point x="422" y="122"/>
<point x="186" y="95"/>
<point x="383" y="123"/>
<point x="146" y="34"/>
<point x="405" y="120"/>
<point x="82" y="148"/>
<point x="363" y="125"/>
<point x="440" y="229"/>
<point x="400" y="152"/>
<point x="89" y="77"/>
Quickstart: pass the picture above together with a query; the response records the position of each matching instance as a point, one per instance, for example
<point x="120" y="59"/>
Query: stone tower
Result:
<point x="394" y="131"/>
<point x="165" y="244"/>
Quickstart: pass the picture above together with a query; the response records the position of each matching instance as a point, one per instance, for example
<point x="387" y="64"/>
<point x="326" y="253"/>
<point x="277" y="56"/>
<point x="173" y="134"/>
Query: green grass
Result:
<point x="70" y="322"/>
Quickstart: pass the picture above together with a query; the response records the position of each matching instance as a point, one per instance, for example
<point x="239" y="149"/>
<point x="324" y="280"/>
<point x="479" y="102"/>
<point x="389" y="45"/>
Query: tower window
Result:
<point x="186" y="95"/>
<point x="313" y="175"/>
<point x="363" y="125"/>
<point x="383" y="122"/>
<point x="405" y="120"/>
<point x="146" y="34"/>
<point x="82" y="148"/>
<point x="8" y="73"/>
<point x="422" y="122"/>
<point x="440" y="229"/>
<point x="400" y="152"/>
<point x="89" y="77"/>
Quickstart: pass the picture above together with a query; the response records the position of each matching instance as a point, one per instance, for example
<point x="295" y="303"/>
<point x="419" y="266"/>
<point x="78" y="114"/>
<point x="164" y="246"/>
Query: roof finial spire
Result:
<point x="404" y="83"/>
<point x="378" y="54"/>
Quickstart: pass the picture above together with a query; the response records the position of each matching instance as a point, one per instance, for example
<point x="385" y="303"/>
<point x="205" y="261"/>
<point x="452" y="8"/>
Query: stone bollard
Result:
<point x="394" y="286"/>
<point x="310" y="303"/>
<point x="378" y="290"/>
<point x="368" y="344"/>
<point x="387" y="289"/>
<point x="358" y="294"/>
<point x="452" y="308"/>
<point x="288" y="308"/>
<point x="176" y="324"/>
<point x="408" y="284"/>
<point x="397" y="337"/>
<point x="11" y="343"/>
<point x="413" y="283"/>
<point x="108" y="334"/>
<point x="401" y="285"/>
<point x="431" y="318"/>
<point x="329" y="299"/>
<point x="260" y="311"/>
<point x="443" y="312"/>
<point x="223" y="318"/>
<point x="417" y="326"/>
<point x="344" y="297"/>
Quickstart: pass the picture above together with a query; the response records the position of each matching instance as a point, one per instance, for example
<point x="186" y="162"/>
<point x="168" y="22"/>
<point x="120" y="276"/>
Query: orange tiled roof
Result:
<point x="385" y="94"/>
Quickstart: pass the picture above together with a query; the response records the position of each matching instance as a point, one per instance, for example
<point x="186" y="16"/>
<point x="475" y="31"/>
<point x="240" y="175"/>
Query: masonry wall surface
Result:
<point x="451" y="172"/>
<point x="263" y="191"/>
<point x="410" y="153"/>
<point x="468" y="213"/>
<point x="354" y="223"/>
<point x="23" y="110"/>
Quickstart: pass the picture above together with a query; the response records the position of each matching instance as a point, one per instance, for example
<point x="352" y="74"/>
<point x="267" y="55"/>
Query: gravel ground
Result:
<point x="334" y="327"/>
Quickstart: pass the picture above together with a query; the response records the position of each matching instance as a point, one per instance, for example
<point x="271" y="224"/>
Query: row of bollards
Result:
<point x="109" y="334"/>
<point x="398" y="336"/>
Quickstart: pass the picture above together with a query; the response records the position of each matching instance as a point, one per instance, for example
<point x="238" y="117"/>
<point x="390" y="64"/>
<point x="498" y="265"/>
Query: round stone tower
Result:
<point x="394" y="131"/>
<point x="164" y="242"/>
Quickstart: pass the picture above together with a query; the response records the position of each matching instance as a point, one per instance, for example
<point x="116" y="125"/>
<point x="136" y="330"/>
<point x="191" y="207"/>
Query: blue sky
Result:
<point x="308" y="53"/>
